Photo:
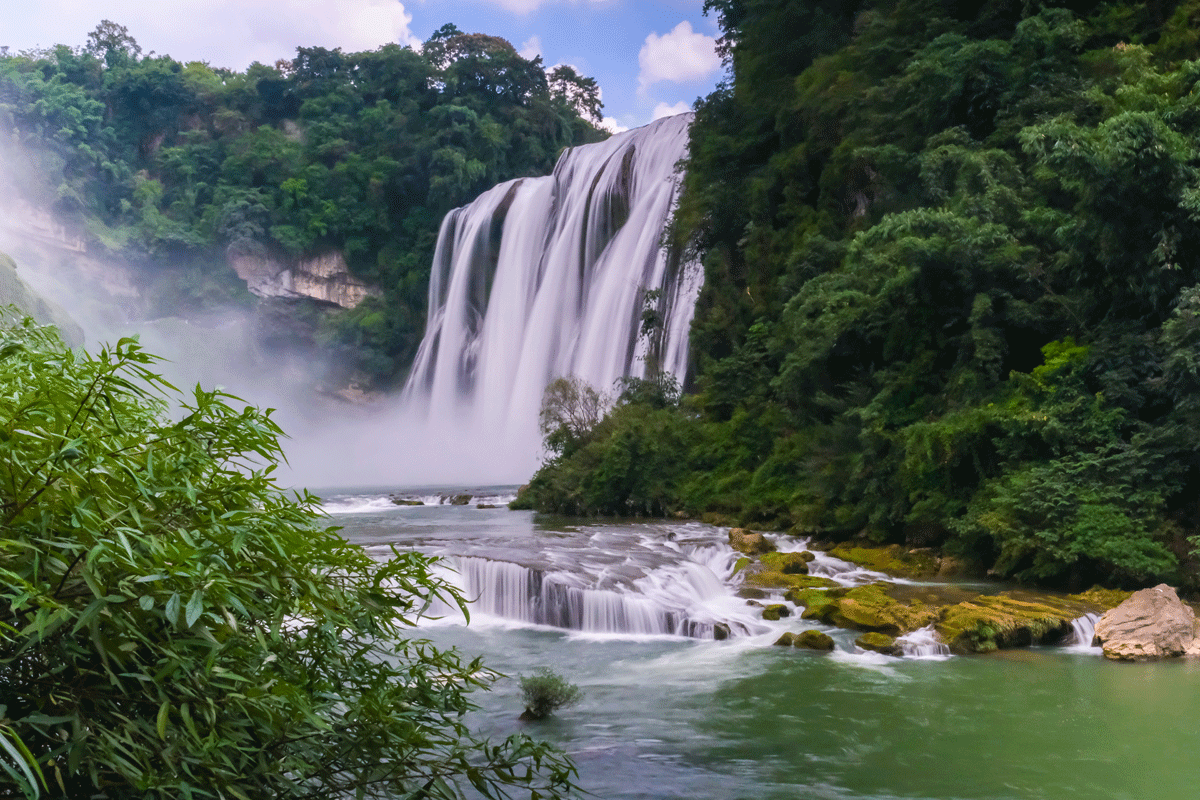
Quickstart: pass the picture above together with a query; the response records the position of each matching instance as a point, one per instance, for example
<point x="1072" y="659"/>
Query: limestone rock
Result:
<point x="750" y="543"/>
<point x="776" y="611"/>
<point x="1151" y="624"/>
<point x="325" y="277"/>
<point x="1008" y="619"/>
<point x="879" y="643"/>
<point x="787" y="563"/>
<point x="813" y="640"/>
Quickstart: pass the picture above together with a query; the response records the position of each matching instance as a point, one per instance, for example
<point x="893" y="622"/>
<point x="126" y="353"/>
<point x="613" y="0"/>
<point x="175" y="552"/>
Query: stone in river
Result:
<point x="1151" y="624"/>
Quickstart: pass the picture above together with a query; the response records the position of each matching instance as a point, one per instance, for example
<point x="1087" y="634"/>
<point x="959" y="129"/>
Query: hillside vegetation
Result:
<point x="951" y="290"/>
<point x="173" y="167"/>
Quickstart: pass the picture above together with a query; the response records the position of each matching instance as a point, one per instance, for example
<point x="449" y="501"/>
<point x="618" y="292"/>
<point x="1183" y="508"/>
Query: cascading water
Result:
<point x="546" y="277"/>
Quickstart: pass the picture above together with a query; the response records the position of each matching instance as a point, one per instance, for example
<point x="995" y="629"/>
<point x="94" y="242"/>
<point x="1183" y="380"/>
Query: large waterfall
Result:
<point x="546" y="277"/>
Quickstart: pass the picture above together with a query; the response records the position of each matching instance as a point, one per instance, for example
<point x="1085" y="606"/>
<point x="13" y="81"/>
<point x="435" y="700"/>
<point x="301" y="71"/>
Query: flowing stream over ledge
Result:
<point x="668" y="712"/>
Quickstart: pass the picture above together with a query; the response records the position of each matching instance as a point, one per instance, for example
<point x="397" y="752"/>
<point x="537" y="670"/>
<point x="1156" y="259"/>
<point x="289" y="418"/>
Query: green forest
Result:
<point x="951" y="291"/>
<point x="172" y="167"/>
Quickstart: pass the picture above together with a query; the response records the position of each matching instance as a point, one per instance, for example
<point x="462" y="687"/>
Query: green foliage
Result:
<point x="950" y="270"/>
<point x="546" y="691"/>
<point x="173" y="625"/>
<point x="160" y="162"/>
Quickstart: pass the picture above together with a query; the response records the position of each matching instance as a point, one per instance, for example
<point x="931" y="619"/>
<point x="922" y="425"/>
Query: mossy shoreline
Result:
<point x="975" y="617"/>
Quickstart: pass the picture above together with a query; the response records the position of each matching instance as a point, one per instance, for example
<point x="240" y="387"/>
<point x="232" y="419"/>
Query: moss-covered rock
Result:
<point x="751" y="593"/>
<point x="787" y="563"/>
<point x="786" y="639"/>
<point x="1008" y="619"/>
<point x="776" y="611"/>
<point x="871" y="608"/>
<point x="879" y="643"/>
<point x="813" y="640"/>
<point x="749" y="542"/>
<point x="1100" y="599"/>
<point x="892" y="559"/>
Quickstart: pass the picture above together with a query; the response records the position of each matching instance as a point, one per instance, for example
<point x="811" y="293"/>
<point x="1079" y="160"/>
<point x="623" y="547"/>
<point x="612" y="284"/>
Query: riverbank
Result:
<point x="925" y="591"/>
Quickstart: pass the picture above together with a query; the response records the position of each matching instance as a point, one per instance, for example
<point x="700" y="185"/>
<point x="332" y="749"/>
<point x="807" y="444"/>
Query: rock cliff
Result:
<point x="325" y="278"/>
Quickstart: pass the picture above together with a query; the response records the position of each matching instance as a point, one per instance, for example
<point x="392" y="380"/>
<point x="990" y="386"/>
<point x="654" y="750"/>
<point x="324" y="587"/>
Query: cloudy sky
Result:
<point x="651" y="57"/>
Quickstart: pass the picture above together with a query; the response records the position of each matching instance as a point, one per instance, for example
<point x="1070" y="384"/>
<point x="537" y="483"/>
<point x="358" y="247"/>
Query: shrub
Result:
<point x="172" y="625"/>
<point x="545" y="692"/>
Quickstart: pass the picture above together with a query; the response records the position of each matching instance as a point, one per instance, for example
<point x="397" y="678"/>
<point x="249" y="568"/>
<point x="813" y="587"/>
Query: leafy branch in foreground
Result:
<point x="172" y="625"/>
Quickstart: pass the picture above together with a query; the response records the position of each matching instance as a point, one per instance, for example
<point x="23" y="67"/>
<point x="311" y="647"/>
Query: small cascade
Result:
<point x="923" y="643"/>
<point x="1083" y="632"/>
<point x="670" y="601"/>
<point x="546" y="277"/>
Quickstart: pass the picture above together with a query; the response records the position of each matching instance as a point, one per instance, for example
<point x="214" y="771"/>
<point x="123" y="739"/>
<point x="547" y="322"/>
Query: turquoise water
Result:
<point x="667" y="717"/>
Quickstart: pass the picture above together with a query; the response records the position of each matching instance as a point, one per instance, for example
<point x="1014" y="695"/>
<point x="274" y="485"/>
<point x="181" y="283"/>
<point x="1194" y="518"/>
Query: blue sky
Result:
<point x="651" y="58"/>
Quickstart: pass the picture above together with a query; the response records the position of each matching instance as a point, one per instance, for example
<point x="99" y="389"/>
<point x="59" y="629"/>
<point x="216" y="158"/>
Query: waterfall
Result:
<point x="1083" y="632"/>
<point x="685" y="602"/>
<point x="546" y="277"/>
<point x="923" y="643"/>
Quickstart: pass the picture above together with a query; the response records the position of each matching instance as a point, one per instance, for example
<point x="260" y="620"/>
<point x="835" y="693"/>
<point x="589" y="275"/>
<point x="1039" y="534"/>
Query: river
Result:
<point x="665" y="715"/>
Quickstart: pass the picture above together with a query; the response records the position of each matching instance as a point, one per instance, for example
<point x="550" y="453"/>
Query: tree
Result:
<point x="576" y="92"/>
<point x="172" y="625"/>
<point x="571" y="408"/>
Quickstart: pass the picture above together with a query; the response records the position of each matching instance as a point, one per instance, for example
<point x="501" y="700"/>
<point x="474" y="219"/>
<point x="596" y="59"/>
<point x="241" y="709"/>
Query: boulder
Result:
<point x="787" y="639"/>
<point x="776" y="611"/>
<point x="750" y="593"/>
<point x="813" y="640"/>
<point x="1151" y="624"/>
<point x="457" y="500"/>
<point x="721" y="631"/>
<point x="787" y="563"/>
<point x="879" y="643"/>
<point x="403" y="501"/>
<point x="750" y="543"/>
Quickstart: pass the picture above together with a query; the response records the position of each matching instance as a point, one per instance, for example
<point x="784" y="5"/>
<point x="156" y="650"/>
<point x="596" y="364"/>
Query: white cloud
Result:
<point x="679" y="56"/>
<point x="663" y="110"/>
<point x="226" y="33"/>
<point x="611" y="125"/>
<point x="532" y="48"/>
<point x="525" y="6"/>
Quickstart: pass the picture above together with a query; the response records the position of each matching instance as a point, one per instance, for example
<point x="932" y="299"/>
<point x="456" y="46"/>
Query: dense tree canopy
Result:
<point x="175" y="166"/>
<point x="172" y="625"/>
<point x="951" y="269"/>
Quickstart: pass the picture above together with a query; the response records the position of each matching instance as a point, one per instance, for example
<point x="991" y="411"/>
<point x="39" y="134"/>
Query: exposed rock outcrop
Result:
<point x="879" y="643"/>
<point x="1152" y="624"/>
<point x="750" y="543"/>
<point x="325" y="277"/>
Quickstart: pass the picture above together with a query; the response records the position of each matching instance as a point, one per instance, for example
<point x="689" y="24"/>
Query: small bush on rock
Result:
<point x="546" y="692"/>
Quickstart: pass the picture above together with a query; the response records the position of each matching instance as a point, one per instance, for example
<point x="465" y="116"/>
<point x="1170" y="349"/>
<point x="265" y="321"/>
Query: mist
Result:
<point x="331" y="442"/>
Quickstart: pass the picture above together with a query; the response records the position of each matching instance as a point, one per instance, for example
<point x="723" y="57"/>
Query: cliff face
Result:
<point x="325" y="278"/>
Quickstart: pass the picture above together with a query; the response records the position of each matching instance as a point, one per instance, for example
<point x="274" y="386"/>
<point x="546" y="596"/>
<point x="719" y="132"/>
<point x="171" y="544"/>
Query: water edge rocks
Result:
<point x="1152" y="624"/>
<point x="749" y="542"/>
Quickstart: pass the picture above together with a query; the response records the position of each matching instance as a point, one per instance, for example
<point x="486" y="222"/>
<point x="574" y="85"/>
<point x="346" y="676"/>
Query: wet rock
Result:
<point x="721" y="631"/>
<point x="1007" y="619"/>
<point x="787" y="563"/>
<point x="813" y="640"/>
<point x="404" y="501"/>
<point x="748" y="542"/>
<point x="776" y="611"/>
<point x="787" y="639"/>
<point x="893" y="559"/>
<point x="485" y="505"/>
<point x="870" y="608"/>
<point x="1151" y="624"/>
<point x="457" y="499"/>
<point x="879" y="643"/>
<point x="750" y="593"/>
